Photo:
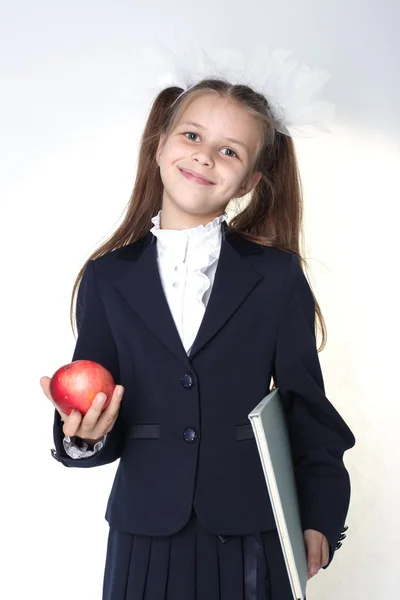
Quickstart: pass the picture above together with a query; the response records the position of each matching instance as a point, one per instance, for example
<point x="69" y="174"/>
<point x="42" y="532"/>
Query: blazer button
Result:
<point x="190" y="435"/>
<point x="54" y="454"/>
<point x="187" y="381"/>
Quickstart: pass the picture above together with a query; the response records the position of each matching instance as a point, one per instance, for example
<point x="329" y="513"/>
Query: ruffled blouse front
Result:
<point x="187" y="261"/>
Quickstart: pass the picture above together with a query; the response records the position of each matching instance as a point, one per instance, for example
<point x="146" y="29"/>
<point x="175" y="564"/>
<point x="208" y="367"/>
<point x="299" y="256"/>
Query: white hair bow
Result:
<point x="289" y="86"/>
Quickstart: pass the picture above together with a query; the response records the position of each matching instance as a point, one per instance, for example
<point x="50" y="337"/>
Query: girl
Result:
<point x="193" y="317"/>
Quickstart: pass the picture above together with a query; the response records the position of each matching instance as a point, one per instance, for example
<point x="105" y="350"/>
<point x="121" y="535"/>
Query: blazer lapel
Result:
<point x="234" y="280"/>
<point x="140" y="284"/>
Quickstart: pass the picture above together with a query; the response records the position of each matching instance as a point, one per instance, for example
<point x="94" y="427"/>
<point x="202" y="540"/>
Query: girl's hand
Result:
<point x="95" y="423"/>
<point x="317" y="551"/>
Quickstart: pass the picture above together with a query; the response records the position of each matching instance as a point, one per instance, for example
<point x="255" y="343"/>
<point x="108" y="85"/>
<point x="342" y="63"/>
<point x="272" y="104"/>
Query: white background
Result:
<point x="69" y="135"/>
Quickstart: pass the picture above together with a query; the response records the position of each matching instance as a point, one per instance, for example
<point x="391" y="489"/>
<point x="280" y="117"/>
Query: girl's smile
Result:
<point x="194" y="177"/>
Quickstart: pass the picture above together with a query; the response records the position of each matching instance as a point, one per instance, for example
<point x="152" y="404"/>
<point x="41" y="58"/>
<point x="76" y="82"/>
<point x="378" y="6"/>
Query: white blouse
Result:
<point x="187" y="261"/>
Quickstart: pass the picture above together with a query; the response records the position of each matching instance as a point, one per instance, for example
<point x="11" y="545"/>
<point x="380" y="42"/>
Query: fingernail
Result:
<point x="101" y="398"/>
<point x="120" y="391"/>
<point x="313" y="569"/>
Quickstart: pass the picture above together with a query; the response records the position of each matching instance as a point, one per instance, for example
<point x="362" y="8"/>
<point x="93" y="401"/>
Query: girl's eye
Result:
<point x="190" y="133"/>
<point x="232" y="152"/>
<point x="195" y="135"/>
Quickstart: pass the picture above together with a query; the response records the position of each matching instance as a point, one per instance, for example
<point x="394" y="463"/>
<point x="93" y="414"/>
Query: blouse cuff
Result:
<point x="74" y="451"/>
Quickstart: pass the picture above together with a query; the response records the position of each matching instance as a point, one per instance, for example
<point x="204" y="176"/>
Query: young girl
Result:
<point x="193" y="317"/>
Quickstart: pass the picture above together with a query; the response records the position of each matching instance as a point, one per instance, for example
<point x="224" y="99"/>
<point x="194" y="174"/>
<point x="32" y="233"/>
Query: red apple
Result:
<point x="75" y="385"/>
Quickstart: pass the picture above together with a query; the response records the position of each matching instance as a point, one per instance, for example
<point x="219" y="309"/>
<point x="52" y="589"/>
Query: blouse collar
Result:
<point x="196" y="246"/>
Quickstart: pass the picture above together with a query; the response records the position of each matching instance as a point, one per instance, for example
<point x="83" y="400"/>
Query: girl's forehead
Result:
<point x="210" y="106"/>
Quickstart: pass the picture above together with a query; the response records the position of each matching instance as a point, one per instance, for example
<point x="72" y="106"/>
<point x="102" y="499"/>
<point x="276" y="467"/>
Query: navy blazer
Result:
<point x="182" y="434"/>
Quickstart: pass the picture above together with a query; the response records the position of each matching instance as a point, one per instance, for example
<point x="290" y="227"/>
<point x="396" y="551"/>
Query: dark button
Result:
<point x="56" y="457"/>
<point x="54" y="454"/>
<point x="338" y="545"/>
<point x="189" y="435"/>
<point x="187" y="381"/>
<point x="345" y="528"/>
<point x="342" y="536"/>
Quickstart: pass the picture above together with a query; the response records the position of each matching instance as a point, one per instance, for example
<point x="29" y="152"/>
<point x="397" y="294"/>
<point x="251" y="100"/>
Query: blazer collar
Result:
<point x="141" y="286"/>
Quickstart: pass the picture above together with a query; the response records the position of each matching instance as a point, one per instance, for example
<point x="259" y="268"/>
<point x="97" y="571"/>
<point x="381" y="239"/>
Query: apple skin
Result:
<point x="74" y="386"/>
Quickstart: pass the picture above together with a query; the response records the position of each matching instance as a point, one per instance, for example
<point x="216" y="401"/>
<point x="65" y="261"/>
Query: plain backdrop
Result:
<point x="69" y="133"/>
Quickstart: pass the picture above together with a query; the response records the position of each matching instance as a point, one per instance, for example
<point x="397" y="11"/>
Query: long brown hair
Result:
<point x="274" y="211"/>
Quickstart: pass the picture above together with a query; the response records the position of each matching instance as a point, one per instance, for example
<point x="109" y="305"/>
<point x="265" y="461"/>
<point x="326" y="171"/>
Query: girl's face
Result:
<point x="200" y="143"/>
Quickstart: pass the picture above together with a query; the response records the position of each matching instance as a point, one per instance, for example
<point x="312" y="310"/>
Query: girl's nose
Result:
<point x="204" y="157"/>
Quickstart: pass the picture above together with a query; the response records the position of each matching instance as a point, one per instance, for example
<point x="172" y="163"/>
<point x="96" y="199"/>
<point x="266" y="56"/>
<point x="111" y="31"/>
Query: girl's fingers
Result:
<point x="313" y="541"/>
<point x="72" y="423"/>
<point x="325" y="552"/>
<point x="45" y="385"/>
<point x="98" y="421"/>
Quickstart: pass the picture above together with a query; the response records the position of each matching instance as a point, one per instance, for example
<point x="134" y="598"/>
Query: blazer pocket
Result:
<point x="244" y="432"/>
<point x="142" y="431"/>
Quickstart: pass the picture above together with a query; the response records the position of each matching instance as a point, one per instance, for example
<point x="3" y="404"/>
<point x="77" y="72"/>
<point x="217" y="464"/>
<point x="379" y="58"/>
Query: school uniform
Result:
<point x="189" y="511"/>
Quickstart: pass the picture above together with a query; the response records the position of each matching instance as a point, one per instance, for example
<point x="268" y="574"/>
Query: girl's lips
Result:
<point x="194" y="178"/>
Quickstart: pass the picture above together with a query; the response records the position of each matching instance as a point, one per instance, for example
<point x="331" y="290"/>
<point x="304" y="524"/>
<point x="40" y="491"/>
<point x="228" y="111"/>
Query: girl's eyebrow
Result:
<point x="227" y="138"/>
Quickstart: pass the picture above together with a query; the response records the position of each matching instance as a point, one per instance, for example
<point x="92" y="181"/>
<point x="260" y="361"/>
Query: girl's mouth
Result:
<point x="195" y="179"/>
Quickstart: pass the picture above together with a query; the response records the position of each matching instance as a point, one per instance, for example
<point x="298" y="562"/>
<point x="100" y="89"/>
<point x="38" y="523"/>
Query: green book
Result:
<point x="270" y="430"/>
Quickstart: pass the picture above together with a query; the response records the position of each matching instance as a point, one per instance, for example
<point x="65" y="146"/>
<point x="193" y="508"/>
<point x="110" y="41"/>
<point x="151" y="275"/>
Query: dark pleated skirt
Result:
<point x="194" y="564"/>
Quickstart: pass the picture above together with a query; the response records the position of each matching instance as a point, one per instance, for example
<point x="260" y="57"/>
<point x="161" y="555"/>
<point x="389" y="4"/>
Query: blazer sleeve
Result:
<point x="319" y="436"/>
<point x="95" y="342"/>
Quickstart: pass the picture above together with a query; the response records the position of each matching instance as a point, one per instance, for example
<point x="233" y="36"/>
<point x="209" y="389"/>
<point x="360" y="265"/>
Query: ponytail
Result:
<point x="146" y="197"/>
<point x="274" y="215"/>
